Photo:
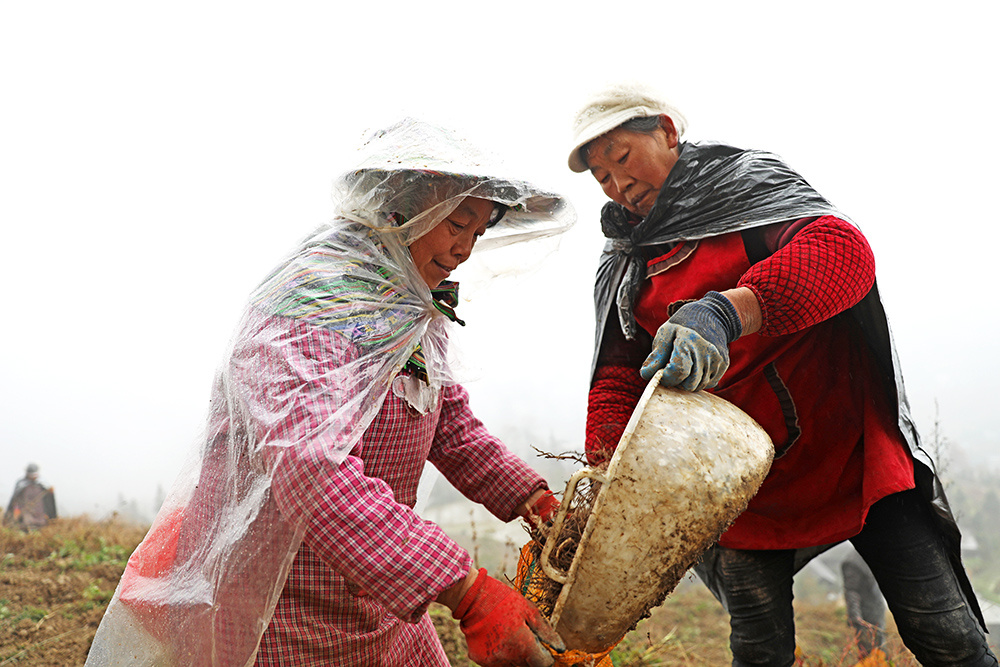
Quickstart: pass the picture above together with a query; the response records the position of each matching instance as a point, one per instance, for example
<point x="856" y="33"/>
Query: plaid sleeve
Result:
<point x="826" y="268"/>
<point x="294" y="377"/>
<point x="477" y="463"/>
<point x="383" y="547"/>
<point x="294" y="399"/>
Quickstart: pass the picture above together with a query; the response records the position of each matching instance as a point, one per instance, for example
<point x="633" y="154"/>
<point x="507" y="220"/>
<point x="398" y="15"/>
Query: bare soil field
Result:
<point x="56" y="583"/>
<point x="54" y="587"/>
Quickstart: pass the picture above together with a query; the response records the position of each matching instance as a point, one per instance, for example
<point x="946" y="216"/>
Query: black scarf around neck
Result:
<point x="712" y="189"/>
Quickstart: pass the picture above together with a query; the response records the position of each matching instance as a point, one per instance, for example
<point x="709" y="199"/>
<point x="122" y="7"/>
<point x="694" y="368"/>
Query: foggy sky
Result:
<point x="156" y="162"/>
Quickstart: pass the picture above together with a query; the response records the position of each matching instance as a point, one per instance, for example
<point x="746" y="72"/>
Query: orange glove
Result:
<point x="544" y="509"/>
<point x="502" y="628"/>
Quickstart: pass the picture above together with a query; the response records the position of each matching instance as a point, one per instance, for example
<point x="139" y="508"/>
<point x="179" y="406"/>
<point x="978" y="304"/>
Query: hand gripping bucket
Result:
<point x="685" y="468"/>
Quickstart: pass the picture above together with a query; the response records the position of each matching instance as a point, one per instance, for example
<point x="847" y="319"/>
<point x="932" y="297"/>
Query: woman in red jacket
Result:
<point x="733" y="275"/>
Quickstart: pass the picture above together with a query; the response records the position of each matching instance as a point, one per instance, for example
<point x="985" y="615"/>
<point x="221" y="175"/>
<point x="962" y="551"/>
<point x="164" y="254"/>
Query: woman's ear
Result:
<point x="667" y="123"/>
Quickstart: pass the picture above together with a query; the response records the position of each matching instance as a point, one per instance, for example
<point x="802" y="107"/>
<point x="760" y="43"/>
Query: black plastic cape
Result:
<point x="715" y="189"/>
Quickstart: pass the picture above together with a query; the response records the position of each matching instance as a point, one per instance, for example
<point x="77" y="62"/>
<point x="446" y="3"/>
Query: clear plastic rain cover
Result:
<point x="287" y="402"/>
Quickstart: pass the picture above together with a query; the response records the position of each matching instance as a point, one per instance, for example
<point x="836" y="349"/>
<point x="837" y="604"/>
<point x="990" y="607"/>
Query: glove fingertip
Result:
<point x="673" y="376"/>
<point x="545" y="634"/>
<point x="653" y="363"/>
<point x="693" y="382"/>
<point x="549" y="637"/>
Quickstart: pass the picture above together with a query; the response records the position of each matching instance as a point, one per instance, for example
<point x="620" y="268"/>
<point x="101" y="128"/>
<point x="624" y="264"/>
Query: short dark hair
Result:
<point x="642" y="124"/>
<point x="639" y="125"/>
<point x="499" y="210"/>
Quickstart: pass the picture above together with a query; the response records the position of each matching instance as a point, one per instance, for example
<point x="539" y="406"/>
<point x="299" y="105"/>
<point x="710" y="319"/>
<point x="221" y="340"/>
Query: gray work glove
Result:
<point x="692" y="347"/>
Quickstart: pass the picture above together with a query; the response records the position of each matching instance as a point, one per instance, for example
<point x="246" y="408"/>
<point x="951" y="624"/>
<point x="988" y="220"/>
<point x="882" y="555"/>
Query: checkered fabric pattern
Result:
<point x="369" y="567"/>
<point x="825" y="269"/>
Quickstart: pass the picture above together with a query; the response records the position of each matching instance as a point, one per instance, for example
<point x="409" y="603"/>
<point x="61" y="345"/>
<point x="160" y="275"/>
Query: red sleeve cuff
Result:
<point x="613" y="396"/>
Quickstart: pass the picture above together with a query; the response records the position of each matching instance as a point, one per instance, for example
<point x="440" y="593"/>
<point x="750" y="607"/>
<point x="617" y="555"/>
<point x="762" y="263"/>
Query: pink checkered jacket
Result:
<point x="360" y="584"/>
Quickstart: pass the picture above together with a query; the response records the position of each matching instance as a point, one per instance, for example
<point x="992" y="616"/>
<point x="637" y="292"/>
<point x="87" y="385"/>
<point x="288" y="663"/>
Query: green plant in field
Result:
<point x="72" y="555"/>
<point x="92" y="596"/>
<point x="95" y="594"/>
<point x="30" y="613"/>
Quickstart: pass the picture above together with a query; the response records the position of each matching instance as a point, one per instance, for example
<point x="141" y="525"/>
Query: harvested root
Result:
<point x="531" y="580"/>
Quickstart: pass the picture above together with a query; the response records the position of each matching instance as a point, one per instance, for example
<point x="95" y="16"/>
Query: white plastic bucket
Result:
<point x="685" y="468"/>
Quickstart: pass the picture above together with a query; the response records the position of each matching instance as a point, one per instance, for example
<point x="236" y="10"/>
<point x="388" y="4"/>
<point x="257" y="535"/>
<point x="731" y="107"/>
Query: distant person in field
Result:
<point x="32" y="504"/>
<point x="724" y="268"/>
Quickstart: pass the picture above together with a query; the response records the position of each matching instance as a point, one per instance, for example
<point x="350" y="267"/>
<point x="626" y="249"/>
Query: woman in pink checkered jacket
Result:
<point x="290" y="537"/>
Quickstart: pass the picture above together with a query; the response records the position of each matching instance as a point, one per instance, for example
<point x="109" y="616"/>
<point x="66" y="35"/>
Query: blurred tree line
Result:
<point x="974" y="493"/>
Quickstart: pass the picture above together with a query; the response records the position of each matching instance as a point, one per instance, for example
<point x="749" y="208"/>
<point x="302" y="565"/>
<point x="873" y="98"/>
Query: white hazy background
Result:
<point x="157" y="159"/>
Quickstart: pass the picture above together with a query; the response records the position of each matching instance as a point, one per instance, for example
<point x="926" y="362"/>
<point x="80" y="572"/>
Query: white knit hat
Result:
<point x="611" y="107"/>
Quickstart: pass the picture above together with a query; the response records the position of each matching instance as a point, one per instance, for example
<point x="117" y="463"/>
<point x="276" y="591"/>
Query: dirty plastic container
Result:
<point x="685" y="468"/>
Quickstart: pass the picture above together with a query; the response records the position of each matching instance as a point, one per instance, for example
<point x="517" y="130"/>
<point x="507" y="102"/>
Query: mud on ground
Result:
<point x="56" y="583"/>
<point x="54" y="586"/>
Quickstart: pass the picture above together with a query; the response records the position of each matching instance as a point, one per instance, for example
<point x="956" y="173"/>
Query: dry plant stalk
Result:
<point x="536" y="586"/>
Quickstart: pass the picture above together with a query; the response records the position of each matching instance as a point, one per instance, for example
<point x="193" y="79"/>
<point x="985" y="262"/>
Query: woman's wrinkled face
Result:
<point x="632" y="166"/>
<point x="439" y="252"/>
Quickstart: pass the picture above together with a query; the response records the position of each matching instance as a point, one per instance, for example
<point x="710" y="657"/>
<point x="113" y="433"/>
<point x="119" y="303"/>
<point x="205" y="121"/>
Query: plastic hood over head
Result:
<point x="421" y="172"/>
<point x="322" y="341"/>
